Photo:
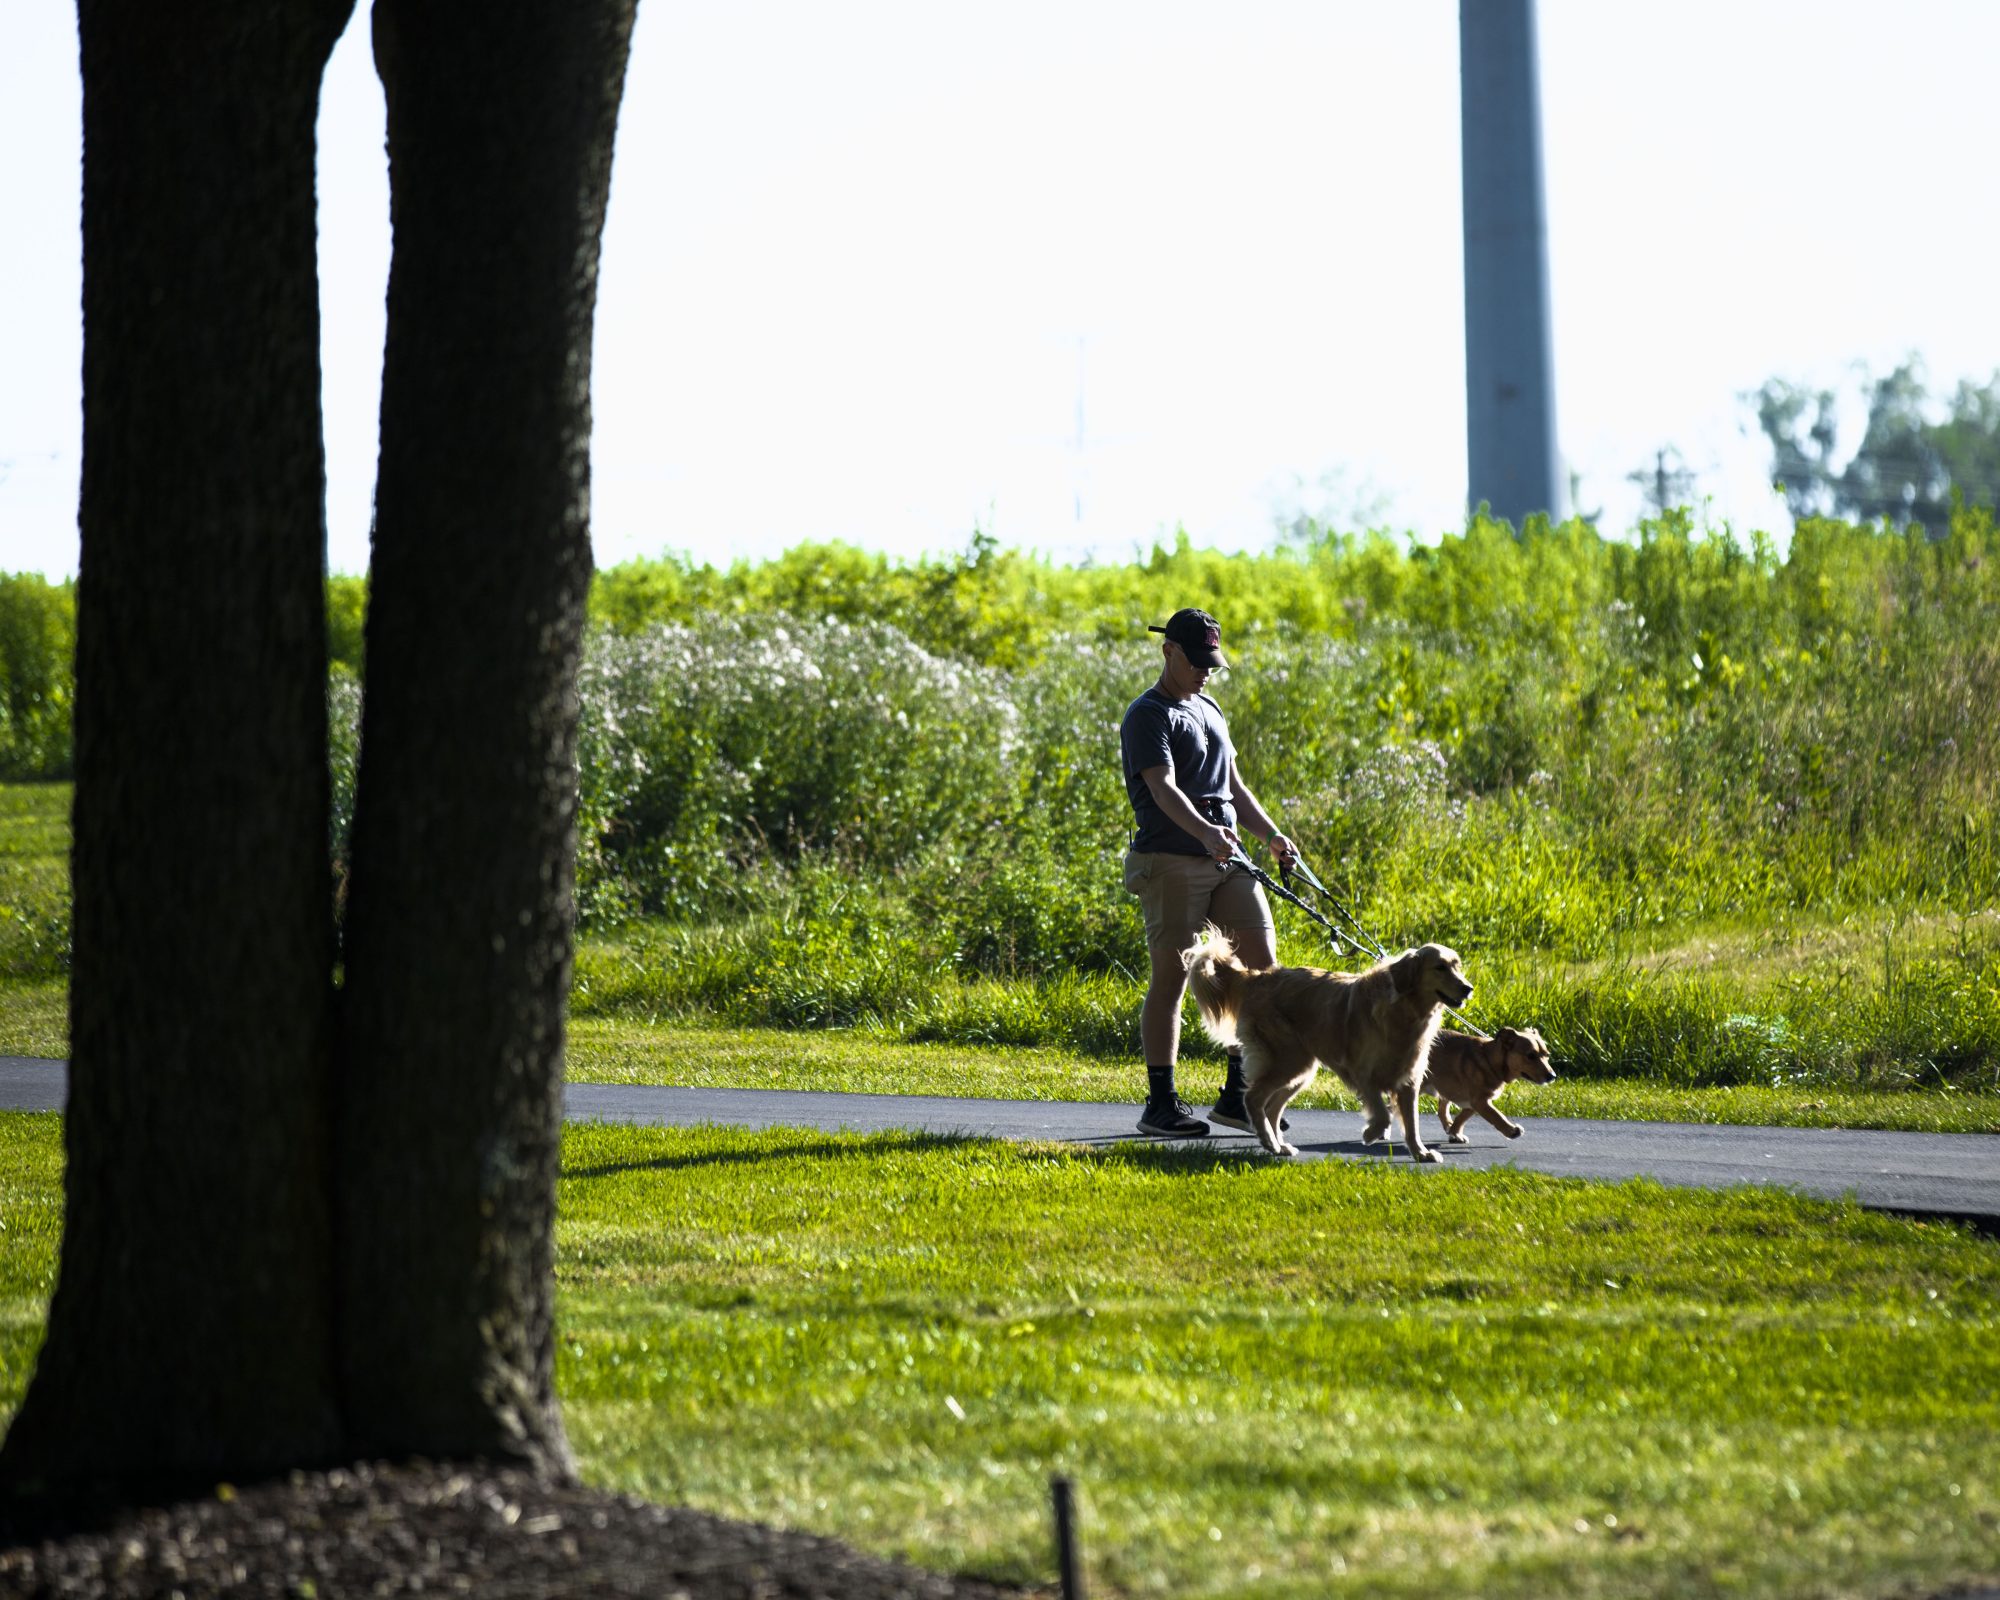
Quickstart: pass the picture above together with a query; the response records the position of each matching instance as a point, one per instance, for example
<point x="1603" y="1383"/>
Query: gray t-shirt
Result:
<point x="1191" y="736"/>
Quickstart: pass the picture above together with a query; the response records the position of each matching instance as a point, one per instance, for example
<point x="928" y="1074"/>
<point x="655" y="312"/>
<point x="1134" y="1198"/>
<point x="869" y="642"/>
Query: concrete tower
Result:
<point x="1510" y="414"/>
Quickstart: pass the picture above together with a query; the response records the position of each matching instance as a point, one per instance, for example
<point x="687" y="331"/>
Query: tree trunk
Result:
<point x="293" y="1235"/>
<point x="459" y="917"/>
<point x="189" y="1330"/>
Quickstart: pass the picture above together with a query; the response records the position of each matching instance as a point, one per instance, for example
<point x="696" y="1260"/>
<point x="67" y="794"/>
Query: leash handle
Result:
<point x="1259" y="875"/>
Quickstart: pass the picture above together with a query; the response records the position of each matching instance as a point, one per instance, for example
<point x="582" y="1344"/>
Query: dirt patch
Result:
<point x="442" y="1529"/>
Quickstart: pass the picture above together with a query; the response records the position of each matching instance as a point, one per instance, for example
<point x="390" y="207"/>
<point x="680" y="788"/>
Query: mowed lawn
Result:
<point x="1327" y="1378"/>
<point x="637" y="1049"/>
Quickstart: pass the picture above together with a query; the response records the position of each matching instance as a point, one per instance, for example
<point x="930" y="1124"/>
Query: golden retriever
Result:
<point x="1469" y="1072"/>
<point x="1371" y="1029"/>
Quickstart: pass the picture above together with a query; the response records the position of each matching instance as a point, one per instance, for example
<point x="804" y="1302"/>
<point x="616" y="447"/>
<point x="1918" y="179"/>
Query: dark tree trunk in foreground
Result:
<point x="460" y="905"/>
<point x="293" y="1236"/>
<point x="190" y="1327"/>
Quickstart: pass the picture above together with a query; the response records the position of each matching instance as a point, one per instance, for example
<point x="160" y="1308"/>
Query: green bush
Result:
<point x="37" y="676"/>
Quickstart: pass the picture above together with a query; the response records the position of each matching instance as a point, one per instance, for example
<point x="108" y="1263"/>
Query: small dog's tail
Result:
<point x="1215" y="977"/>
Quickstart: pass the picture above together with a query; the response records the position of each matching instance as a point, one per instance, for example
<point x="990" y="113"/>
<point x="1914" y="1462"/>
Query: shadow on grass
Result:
<point x="1180" y="1157"/>
<point x="1204" y="1155"/>
<point x="814" y="1147"/>
<point x="1184" y="1156"/>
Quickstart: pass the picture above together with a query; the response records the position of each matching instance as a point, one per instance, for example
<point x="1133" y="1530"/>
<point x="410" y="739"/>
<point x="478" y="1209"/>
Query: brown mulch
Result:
<point x="430" y="1529"/>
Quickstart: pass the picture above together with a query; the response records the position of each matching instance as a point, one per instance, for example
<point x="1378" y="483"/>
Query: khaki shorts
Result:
<point x="1179" y="893"/>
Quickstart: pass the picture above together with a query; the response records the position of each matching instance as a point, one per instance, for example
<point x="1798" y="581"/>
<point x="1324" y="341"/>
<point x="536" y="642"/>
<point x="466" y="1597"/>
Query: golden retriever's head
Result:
<point x="1430" y="975"/>
<point x="1526" y="1054"/>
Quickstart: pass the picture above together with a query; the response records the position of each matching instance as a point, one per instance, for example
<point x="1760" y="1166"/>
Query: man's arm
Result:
<point x="1220" y="842"/>
<point x="1259" y="821"/>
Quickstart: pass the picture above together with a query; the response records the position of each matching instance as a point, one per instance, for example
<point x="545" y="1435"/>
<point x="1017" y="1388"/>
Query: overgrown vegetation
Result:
<point x="1328" y="1378"/>
<point x="839" y="789"/>
<point x="1564" y="754"/>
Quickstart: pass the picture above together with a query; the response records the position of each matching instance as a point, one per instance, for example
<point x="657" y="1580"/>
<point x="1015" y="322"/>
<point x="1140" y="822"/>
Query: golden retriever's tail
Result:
<point x="1215" y="977"/>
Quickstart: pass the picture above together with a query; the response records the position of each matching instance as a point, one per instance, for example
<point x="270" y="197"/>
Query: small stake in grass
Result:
<point x="1068" y="1570"/>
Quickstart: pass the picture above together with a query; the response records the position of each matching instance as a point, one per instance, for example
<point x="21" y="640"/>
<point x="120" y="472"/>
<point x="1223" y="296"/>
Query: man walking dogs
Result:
<point x="1188" y="798"/>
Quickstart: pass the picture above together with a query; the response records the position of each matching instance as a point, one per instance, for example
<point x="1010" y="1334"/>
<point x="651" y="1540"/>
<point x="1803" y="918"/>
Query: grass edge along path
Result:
<point x="1270" y="1380"/>
<point x="704" y="1055"/>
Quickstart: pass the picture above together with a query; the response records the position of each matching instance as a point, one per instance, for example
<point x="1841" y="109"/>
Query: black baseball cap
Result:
<point x="1198" y="634"/>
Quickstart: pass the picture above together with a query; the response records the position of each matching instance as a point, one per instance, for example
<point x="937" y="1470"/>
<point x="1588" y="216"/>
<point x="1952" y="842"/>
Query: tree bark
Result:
<point x="189" y="1329"/>
<point x="303" y="1227"/>
<point x="460" y="908"/>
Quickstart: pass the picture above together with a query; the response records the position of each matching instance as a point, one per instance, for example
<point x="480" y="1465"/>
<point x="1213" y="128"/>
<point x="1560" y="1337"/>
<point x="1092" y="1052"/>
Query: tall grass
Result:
<point x="1556" y="751"/>
<point x="837" y="788"/>
<point x="1555" y="740"/>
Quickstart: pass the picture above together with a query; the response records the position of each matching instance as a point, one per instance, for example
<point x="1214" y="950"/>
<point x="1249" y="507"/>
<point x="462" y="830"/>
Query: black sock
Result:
<point x="1159" y="1083"/>
<point x="1232" y="1079"/>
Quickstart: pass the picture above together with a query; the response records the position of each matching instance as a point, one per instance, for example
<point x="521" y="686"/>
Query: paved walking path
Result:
<point x="1939" y="1174"/>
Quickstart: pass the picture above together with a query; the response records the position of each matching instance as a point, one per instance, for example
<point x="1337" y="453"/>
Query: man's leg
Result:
<point x="1165" y="1113"/>
<point x="1256" y="943"/>
<point x="1160" y="1016"/>
<point x="1166" y="887"/>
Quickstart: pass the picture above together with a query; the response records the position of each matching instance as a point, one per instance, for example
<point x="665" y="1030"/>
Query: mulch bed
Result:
<point x="429" y="1529"/>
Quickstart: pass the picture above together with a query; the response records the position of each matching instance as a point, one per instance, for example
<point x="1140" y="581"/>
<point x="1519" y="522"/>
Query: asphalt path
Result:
<point x="1923" y="1174"/>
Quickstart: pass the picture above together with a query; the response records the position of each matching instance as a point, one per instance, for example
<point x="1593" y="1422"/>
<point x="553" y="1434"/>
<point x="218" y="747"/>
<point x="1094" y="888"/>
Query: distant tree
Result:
<point x="1906" y="468"/>
<point x="1968" y="441"/>
<point x="304" y="1223"/>
<point x="1667" y="484"/>
<point x="1802" y="427"/>
<point x="1590" y="518"/>
<point x="1338" y="501"/>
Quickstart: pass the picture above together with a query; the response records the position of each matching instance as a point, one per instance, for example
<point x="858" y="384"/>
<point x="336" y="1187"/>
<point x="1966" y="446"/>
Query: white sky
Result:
<point x="863" y="259"/>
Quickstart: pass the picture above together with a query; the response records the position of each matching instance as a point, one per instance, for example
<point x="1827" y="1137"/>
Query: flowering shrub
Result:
<point x="706" y="745"/>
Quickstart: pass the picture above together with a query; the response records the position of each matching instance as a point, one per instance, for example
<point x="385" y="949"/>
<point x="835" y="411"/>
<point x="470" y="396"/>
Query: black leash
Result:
<point x="1243" y="863"/>
<point x="1360" y="937"/>
<point x="1357" y="936"/>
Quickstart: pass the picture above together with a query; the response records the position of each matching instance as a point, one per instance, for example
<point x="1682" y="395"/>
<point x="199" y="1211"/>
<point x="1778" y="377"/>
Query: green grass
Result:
<point x="1883" y="1021"/>
<point x="638" y="1050"/>
<point x="1299" y="1380"/>
<point x="31" y="1166"/>
<point x="34" y="883"/>
<point x="1884" y="1001"/>
<point x="34" y="1018"/>
<point x="34" y="1021"/>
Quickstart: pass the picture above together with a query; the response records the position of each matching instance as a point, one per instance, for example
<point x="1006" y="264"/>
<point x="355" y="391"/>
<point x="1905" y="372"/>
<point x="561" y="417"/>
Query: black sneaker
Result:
<point x="1171" y="1119"/>
<point x="1230" y="1112"/>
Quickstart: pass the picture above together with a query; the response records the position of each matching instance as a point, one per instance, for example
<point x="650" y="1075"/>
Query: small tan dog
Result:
<point x="1371" y="1029"/>
<point x="1469" y="1072"/>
